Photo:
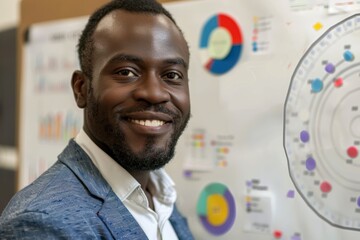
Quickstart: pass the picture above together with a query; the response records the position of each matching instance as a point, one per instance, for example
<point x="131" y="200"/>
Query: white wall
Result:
<point x="9" y="13"/>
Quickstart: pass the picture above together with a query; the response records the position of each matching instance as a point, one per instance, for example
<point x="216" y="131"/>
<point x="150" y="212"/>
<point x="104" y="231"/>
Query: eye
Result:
<point x="126" y="73"/>
<point x="172" y="76"/>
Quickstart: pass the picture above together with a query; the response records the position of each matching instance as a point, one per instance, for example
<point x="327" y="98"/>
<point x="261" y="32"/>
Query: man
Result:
<point x="109" y="183"/>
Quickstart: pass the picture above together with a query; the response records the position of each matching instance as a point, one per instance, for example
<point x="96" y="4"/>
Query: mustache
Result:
<point x="174" y="113"/>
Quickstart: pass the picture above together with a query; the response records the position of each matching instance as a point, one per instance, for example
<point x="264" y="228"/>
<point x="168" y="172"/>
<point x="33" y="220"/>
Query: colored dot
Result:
<point x="352" y="152"/>
<point x="187" y="173"/>
<point x="330" y="68"/>
<point x="296" y="237"/>
<point x="325" y="187"/>
<point x="277" y="234"/>
<point x="316" y="85"/>
<point x="224" y="150"/>
<point x="358" y="201"/>
<point x="304" y="136"/>
<point x="222" y="163"/>
<point x="338" y="82"/>
<point x="317" y="26"/>
<point x="310" y="164"/>
<point x="291" y="194"/>
<point x="198" y="136"/>
<point x="348" y="56"/>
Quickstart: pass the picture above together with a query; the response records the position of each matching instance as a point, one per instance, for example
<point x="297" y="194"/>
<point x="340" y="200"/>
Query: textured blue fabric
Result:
<point x="72" y="200"/>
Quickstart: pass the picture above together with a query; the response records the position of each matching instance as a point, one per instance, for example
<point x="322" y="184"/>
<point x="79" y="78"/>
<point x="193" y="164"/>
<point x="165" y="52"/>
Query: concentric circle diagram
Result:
<point x="216" y="209"/>
<point x="322" y="125"/>
<point x="220" y="44"/>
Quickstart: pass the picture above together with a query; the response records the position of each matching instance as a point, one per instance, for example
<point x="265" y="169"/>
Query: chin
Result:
<point x="148" y="158"/>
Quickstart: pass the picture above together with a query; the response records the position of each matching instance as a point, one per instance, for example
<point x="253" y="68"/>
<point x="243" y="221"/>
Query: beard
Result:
<point x="113" y="140"/>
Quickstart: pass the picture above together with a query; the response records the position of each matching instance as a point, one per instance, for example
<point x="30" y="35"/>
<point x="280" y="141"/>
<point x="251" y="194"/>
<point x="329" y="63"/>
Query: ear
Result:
<point x="79" y="84"/>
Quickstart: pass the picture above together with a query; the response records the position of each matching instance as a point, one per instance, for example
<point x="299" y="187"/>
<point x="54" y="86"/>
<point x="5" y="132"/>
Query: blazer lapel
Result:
<point x="119" y="220"/>
<point x="180" y="225"/>
<point x="113" y="213"/>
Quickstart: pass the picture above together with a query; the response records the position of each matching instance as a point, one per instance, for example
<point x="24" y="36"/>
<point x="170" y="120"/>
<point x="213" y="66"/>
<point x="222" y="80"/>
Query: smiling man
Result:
<point x="109" y="182"/>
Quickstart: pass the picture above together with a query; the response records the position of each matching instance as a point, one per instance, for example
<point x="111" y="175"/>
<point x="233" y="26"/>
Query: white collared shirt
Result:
<point x="156" y="224"/>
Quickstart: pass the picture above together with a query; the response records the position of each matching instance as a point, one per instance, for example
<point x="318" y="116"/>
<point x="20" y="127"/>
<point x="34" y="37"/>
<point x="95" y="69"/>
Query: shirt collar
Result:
<point x="121" y="182"/>
<point x="162" y="186"/>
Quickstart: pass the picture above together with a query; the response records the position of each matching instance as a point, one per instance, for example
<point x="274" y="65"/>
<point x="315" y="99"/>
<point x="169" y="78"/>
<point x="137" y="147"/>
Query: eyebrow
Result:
<point x="126" y="58"/>
<point x="135" y="59"/>
<point x="174" y="61"/>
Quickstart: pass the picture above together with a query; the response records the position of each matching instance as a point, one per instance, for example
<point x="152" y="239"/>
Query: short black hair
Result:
<point x="85" y="44"/>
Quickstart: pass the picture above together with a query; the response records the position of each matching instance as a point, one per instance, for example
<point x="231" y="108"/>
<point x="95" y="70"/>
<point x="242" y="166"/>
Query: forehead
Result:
<point x="146" y="34"/>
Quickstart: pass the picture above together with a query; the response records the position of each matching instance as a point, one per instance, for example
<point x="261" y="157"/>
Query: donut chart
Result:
<point x="322" y="125"/>
<point x="216" y="209"/>
<point x="221" y="44"/>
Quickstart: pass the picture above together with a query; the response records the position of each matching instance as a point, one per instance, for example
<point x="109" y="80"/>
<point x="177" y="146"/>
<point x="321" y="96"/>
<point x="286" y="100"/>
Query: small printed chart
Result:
<point x="221" y="43"/>
<point x="216" y="209"/>
<point x="322" y="125"/>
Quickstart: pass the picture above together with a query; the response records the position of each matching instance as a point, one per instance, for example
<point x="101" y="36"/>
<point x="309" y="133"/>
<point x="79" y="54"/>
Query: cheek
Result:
<point x="113" y="96"/>
<point x="181" y="100"/>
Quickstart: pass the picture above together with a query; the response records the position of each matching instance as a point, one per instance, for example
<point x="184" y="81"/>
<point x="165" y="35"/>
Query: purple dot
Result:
<point x="358" y="201"/>
<point x="310" y="164"/>
<point x="304" y="136"/>
<point x="330" y="68"/>
<point x="187" y="173"/>
<point x="291" y="194"/>
<point x="296" y="237"/>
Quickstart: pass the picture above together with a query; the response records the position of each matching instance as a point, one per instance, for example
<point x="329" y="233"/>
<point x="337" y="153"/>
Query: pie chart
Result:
<point x="221" y="44"/>
<point x="216" y="209"/>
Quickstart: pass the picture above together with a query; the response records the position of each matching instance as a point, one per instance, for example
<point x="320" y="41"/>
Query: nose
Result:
<point x="152" y="89"/>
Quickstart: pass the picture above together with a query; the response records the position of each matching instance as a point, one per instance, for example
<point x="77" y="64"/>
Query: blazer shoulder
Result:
<point x="58" y="190"/>
<point x="30" y="225"/>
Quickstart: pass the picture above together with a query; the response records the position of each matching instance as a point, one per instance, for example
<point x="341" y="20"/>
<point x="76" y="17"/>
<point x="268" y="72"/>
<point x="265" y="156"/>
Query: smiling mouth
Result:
<point x="148" y="123"/>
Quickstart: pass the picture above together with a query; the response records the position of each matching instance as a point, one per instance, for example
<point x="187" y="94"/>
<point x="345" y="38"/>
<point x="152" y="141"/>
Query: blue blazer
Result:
<point x="72" y="200"/>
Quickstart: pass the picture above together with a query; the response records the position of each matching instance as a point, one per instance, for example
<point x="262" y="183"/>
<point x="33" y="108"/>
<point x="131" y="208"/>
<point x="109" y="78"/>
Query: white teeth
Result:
<point x="148" y="123"/>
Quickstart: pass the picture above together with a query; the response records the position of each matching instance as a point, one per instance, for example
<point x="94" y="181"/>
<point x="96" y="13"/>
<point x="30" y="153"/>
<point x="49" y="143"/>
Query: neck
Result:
<point x="143" y="177"/>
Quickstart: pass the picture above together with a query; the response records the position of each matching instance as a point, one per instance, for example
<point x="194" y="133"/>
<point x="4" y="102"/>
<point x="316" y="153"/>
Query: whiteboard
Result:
<point x="234" y="142"/>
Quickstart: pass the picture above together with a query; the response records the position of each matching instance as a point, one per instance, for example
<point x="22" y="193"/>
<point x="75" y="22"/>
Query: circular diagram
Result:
<point x="216" y="208"/>
<point x="220" y="44"/>
<point x="322" y="125"/>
